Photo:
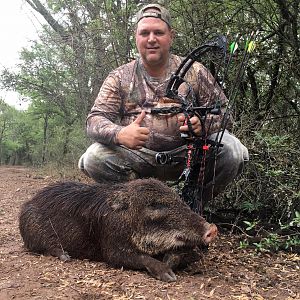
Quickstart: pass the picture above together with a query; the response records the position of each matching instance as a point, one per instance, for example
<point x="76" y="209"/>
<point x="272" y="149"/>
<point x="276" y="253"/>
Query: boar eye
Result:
<point x="158" y="206"/>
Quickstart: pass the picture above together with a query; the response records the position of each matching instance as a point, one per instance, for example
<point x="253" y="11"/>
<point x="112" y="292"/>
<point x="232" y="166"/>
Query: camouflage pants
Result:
<point x="118" y="163"/>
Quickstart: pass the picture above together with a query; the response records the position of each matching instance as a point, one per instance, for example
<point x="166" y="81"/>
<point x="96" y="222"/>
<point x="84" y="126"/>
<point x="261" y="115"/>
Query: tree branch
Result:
<point x="40" y="8"/>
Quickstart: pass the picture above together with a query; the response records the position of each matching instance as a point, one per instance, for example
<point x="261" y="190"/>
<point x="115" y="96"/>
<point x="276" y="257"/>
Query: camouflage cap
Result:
<point x="154" y="11"/>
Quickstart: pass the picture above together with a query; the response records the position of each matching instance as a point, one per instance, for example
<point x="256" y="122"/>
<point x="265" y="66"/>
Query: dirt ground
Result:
<point x="229" y="272"/>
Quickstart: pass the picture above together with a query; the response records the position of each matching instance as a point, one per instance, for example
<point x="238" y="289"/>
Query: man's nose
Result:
<point x="151" y="37"/>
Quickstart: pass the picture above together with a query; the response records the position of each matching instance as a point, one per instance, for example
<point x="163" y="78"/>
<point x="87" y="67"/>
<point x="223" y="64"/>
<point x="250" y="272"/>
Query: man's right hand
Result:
<point x="134" y="136"/>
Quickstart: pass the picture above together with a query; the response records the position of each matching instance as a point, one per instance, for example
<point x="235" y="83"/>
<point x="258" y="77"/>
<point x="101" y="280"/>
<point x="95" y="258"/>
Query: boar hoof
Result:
<point x="168" y="276"/>
<point x="162" y="272"/>
<point x="60" y="253"/>
<point x="65" y="257"/>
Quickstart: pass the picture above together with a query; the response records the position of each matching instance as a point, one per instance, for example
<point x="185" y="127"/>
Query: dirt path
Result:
<point x="230" y="273"/>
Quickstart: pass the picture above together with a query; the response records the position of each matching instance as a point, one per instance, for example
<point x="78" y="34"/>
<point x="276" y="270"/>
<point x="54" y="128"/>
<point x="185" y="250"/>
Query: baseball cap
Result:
<point x="158" y="11"/>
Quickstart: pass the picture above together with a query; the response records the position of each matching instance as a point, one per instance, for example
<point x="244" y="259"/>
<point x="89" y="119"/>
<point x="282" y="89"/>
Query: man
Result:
<point x="128" y="136"/>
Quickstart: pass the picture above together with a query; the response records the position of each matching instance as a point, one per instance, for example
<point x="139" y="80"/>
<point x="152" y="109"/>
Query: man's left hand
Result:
<point x="195" y="122"/>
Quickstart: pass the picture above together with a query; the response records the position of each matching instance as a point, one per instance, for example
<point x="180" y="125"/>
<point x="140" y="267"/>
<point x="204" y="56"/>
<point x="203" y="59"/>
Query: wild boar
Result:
<point x="126" y="225"/>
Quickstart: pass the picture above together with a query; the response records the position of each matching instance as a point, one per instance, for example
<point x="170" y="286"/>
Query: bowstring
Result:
<point x="218" y="142"/>
<point x="232" y="94"/>
<point x="201" y="178"/>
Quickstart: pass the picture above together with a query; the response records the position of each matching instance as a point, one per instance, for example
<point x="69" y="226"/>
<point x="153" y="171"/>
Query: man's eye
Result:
<point x="159" y="33"/>
<point x="144" y="33"/>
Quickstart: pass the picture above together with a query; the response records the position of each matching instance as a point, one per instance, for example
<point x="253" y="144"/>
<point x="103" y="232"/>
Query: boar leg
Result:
<point x="156" y="268"/>
<point x="181" y="259"/>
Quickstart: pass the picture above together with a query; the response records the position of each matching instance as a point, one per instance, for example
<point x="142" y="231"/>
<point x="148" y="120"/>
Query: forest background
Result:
<point x="83" y="40"/>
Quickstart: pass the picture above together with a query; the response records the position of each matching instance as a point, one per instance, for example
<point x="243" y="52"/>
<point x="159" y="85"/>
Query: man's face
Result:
<point x="153" y="40"/>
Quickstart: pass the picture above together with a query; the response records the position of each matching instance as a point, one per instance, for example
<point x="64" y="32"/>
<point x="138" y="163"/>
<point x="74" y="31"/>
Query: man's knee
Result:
<point x="230" y="161"/>
<point x="233" y="155"/>
<point x="103" y="164"/>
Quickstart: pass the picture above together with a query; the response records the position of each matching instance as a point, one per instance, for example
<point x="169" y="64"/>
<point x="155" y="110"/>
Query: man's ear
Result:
<point x="172" y="34"/>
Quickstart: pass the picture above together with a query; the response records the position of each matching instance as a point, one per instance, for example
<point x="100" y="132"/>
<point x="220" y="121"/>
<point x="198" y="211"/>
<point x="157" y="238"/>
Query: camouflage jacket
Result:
<point x="129" y="89"/>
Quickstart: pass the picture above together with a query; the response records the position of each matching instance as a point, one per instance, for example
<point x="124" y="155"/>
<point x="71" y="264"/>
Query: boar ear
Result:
<point x="118" y="202"/>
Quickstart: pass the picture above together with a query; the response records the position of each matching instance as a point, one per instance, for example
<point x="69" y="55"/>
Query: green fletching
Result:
<point x="233" y="47"/>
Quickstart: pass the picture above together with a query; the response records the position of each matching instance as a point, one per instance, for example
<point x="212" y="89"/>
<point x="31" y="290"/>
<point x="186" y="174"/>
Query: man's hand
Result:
<point x="195" y="122"/>
<point x="134" y="136"/>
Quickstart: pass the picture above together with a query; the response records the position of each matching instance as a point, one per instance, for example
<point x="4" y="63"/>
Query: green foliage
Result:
<point x="26" y="142"/>
<point x="269" y="187"/>
<point x="244" y="244"/>
<point x="10" y="144"/>
<point x="286" y="237"/>
<point x="251" y="225"/>
<point x="271" y="242"/>
<point x="274" y="243"/>
<point x="295" y="222"/>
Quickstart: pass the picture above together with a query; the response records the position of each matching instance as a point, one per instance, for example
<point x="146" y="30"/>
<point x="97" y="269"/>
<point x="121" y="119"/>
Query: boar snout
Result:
<point x="210" y="233"/>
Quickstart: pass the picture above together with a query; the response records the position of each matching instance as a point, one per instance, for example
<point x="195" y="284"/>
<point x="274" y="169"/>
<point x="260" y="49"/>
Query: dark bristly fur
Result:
<point x="127" y="224"/>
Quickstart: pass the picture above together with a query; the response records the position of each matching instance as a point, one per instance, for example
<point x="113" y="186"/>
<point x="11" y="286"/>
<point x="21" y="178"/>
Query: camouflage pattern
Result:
<point x="129" y="89"/>
<point x="118" y="163"/>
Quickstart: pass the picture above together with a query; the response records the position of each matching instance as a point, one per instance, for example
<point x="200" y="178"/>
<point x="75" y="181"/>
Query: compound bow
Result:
<point x="197" y="146"/>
